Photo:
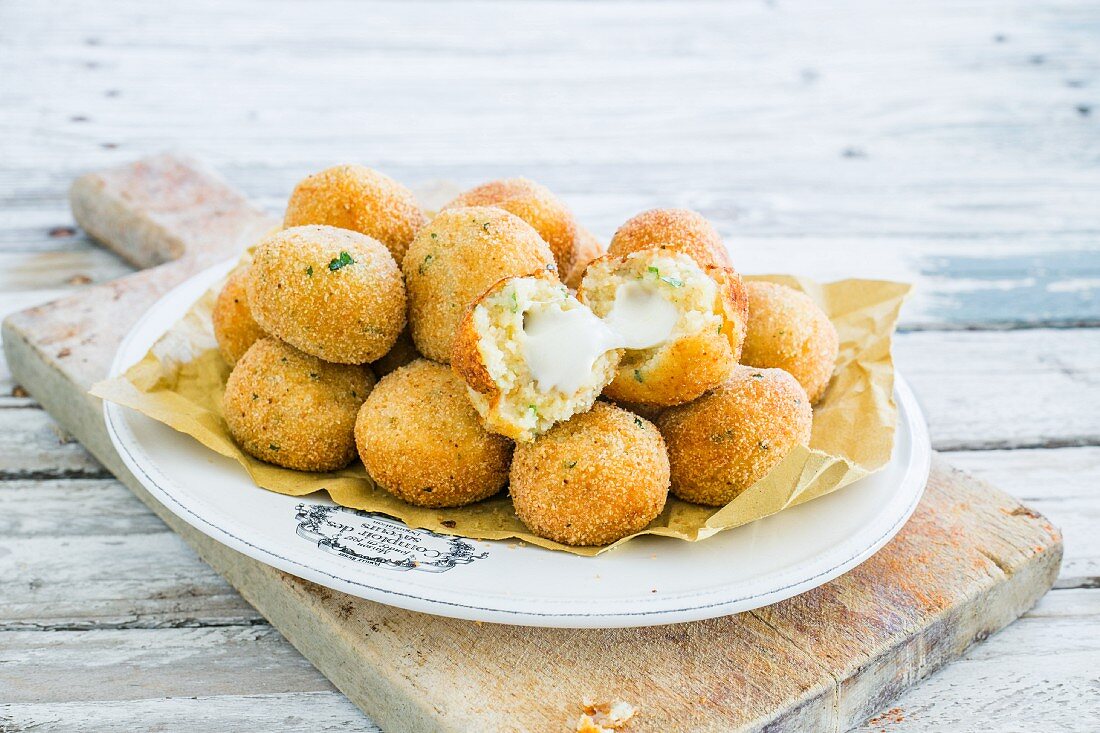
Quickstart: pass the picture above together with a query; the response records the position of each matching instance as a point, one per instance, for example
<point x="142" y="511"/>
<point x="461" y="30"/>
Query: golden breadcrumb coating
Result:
<point x="292" y="409"/>
<point x="488" y="355"/>
<point x="454" y="259"/>
<point x="649" y="412"/>
<point x="588" y="249"/>
<point x="401" y="353"/>
<point x="234" y="327"/>
<point x="592" y="480"/>
<point x="360" y="199"/>
<point x="706" y="342"/>
<point x="537" y="206"/>
<point x="727" y="440"/>
<point x="679" y="229"/>
<point x="789" y="331"/>
<point x="333" y="293"/>
<point x="421" y="439"/>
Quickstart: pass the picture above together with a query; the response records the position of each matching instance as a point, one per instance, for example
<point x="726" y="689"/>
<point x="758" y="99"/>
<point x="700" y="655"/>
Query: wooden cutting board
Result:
<point x="970" y="561"/>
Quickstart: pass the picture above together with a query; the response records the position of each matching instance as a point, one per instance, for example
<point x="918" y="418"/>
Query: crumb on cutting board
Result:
<point x="605" y="717"/>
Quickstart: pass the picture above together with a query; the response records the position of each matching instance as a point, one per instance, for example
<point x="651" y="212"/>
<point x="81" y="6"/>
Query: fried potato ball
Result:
<point x="705" y="310"/>
<point x="234" y="327"/>
<point x="729" y="439"/>
<point x="292" y="409"/>
<point x="537" y="206"/>
<point x="592" y="480"/>
<point x="678" y="229"/>
<point x="454" y="259"/>
<point x="588" y="249"/>
<point x="514" y="389"/>
<point x="360" y="199"/>
<point x="333" y="293"/>
<point x="401" y="353"/>
<point x="421" y="439"/>
<point x="789" y="331"/>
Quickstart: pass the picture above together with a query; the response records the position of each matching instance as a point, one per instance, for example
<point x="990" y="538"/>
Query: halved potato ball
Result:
<point x="292" y="409"/>
<point x="454" y="259"/>
<point x="592" y="480"/>
<point x="360" y="199"/>
<point x="421" y="439"/>
<point x="234" y="327"/>
<point x="681" y="230"/>
<point x="532" y="355"/>
<point x="588" y="249"/>
<point x="695" y="318"/>
<point x="789" y="331"/>
<point x="537" y="206"/>
<point x="333" y="293"/>
<point x="727" y="440"/>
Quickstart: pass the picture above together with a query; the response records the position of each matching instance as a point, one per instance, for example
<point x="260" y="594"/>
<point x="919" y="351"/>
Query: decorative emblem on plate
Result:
<point x="378" y="540"/>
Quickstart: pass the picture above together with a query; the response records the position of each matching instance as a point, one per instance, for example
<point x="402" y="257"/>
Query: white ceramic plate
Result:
<point x="649" y="581"/>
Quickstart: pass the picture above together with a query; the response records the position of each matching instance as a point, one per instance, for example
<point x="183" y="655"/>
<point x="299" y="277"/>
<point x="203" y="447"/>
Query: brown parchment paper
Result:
<point x="181" y="379"/>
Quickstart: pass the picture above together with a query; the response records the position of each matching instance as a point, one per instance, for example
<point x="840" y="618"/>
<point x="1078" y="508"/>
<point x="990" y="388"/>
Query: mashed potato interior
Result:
<point x="677" y="288"/>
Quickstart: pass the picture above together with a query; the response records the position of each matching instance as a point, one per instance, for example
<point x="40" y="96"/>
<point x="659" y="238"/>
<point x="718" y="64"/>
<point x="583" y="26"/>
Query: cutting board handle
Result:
<point x="166" y="208"/>
<point x="169" y="216"/>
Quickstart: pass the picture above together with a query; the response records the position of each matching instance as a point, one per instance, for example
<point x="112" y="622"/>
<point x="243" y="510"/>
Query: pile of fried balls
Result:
<point x="363" y="328"/>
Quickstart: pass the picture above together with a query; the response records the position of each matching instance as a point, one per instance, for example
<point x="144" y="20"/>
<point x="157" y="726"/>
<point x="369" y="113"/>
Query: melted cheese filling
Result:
<point x="641" y="317"/>
<point x="561" y="346"/>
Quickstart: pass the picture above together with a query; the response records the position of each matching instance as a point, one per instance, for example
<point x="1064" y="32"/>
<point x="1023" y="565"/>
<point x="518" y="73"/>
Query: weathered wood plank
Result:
<point x="63" y="666"/>
<point x="32" y="445"/>
<point x="1038" y="674"/>
<point x="1049" y="476"/>
<point x="82" y="554"/>
<point x="1006" y="389"/>
<point x="739" y="74"/>
<point x="292" y="712"/>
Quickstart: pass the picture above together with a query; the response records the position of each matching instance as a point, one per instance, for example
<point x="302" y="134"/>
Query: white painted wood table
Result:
<point x="954" y="144"/>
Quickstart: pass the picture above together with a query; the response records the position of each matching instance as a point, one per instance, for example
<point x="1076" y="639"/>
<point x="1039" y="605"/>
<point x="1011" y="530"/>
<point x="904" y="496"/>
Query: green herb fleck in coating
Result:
<point x="424" y="265"/>
<point x="342" y="261"/>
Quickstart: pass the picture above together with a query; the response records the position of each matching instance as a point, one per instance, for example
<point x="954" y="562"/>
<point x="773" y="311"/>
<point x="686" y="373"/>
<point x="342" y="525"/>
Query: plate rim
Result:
<point x="913" y="482"/>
